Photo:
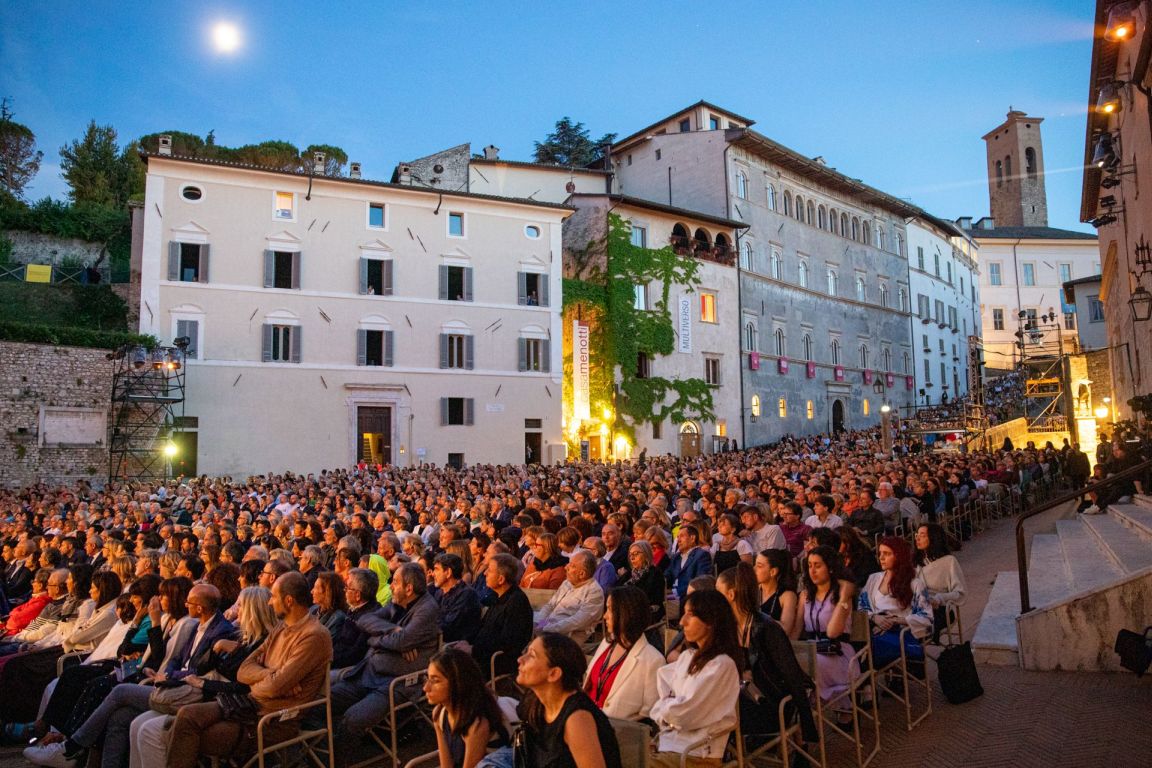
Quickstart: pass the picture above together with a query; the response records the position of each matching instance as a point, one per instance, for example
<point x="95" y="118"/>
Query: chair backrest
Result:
<point x="633" y="738"/>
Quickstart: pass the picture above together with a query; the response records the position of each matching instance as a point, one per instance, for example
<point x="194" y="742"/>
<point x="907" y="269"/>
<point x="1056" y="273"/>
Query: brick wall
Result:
<point x="33" y="376"/>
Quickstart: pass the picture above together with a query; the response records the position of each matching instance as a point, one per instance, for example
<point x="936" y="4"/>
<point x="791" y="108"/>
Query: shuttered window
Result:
<point x="534" y="355"/>
<point x="190" y="329"/>
<point x="188" y="262"/>
<point x="455" y="283"/>
<point x="376" y="277"/>
<point x="282" y="269"/>
<point x="374" y="348"/>
<point x="531" y="289"/>
<point x="456" y="351"/>
<point x="458" y="411"/>
<point x="281" y="343"/>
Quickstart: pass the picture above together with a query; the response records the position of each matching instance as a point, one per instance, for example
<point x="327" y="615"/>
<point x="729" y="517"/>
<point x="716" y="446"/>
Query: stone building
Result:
<point x="1118" y="161"/>
<point x="823" y="273"/>
<point x="334" y="320"/>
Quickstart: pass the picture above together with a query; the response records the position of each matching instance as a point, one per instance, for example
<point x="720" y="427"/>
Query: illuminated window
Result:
<point x="722" y="428"/>
<point x="782" y="406"/>
<point x="707" y="307"/>
<point x="811" y="410"/>
<point x="285" y="206"/>
<point x="867" y="407"/>
<point x="756" y="406"/>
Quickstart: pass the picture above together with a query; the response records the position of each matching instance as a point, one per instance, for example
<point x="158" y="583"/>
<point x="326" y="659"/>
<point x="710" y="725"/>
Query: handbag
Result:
<point x="958" y="676"/>
<point x="168" y="699"/>
<point x="238" y="707"/>
<point x="1135" y="650"/>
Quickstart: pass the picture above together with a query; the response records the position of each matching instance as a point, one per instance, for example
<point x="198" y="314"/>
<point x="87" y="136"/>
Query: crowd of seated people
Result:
<point x="193" y="603"/>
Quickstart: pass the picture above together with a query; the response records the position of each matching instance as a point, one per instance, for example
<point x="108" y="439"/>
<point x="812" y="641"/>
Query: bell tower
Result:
<point x="1016" y="172"/>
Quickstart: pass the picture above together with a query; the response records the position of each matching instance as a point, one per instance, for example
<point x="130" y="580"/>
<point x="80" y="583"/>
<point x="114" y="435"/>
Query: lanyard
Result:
<point x="606" y="671"/>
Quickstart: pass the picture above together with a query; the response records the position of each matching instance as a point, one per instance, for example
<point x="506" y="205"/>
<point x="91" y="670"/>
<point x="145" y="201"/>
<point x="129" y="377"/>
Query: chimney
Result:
<point x="986" y="223"/>
<point x="405" y="174"/>
<point x="354" y="171"/>
<point x="491" y="152"/>
<point x="165" y="145"/>
<point x="964" y="222"/>
<point x="318" y="162"/>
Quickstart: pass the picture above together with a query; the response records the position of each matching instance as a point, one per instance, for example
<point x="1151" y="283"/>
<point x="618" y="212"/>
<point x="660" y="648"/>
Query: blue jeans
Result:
<point x="112" y="720"/>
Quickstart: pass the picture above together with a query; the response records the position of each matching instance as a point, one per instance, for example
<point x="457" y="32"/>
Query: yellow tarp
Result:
<point x="38" y="273"/>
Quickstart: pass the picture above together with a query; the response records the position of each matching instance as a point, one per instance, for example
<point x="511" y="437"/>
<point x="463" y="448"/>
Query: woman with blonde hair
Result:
<point x="168" y="563"/>
<point x="124" y="567"/>
<point x="460" y="548"/>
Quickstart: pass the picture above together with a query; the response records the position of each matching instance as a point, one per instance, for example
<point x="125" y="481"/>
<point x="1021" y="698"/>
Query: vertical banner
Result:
<point x="581" y="378"/>
<point x="810" y="369"/>
<point x="684" y="325"/>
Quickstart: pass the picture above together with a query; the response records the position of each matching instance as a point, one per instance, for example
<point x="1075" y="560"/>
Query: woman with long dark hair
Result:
<point x="467" y="718"/>
<point x="622" y="676"/>
<point x="940" y="571"/>
<point x="697" y="693"/>
<point x="777" y="585"/>
<point x="896" y="598"/>
<point x="823" y="616"/>
<point x="563" y="728"/>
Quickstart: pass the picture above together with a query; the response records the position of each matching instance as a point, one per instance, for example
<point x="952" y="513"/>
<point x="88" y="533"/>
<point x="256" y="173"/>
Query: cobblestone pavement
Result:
<point x="1024" y="719"/>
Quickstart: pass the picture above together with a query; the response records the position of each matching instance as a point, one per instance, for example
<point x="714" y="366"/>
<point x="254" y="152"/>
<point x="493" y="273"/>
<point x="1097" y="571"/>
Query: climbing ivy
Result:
<point x="620" y="332"/>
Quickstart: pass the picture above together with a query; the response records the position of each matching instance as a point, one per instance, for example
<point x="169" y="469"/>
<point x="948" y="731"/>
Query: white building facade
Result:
<point x="341" y="320"/>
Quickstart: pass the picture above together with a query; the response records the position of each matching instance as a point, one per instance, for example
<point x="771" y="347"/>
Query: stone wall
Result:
<point x="36" y="248"/>
<point x="40" y="385"/>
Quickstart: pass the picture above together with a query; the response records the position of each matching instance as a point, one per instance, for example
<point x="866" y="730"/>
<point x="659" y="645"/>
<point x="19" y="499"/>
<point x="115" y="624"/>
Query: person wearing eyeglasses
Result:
<point x="59" y="607"/>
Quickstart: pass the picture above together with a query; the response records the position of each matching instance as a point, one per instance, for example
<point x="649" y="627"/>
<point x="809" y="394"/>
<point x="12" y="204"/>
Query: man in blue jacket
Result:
<point x="691" y="560"/>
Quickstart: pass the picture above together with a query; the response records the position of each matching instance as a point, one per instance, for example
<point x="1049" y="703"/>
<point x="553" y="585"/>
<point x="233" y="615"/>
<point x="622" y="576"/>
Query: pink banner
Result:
<point x="909" y="382"/>
<point x="867" y="377"/>
<point x="811" y="370"/>
<point x="838" y="373"/>
<point x="890" y="380"/>
<point x="782" y="365"/>
<point x="753" y="361"/>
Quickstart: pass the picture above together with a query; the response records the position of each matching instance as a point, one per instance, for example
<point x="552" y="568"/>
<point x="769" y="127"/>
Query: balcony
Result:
<point x="701" y="249"/>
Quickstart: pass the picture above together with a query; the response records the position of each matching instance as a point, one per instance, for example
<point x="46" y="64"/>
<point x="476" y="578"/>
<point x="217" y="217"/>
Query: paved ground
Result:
<point x="1024" y="719"/>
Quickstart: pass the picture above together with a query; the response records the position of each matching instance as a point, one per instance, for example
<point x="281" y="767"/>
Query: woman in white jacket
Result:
<point x="622" y="676"/>
<point x="696" y="708"/>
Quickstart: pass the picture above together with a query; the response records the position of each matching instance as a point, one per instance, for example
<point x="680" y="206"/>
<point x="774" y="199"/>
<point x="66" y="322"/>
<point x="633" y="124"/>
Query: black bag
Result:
<point x="238" y="707"/>
<point x="1135" y="650"/>
<point x="958" y="675"/>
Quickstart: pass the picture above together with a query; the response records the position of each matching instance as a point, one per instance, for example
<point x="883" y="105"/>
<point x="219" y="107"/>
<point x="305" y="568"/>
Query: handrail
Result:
<point x="1135" y="472"/>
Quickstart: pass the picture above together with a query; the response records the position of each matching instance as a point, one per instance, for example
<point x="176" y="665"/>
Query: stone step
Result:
<point x="1137" y="516"/>
<point x="1048" y="577"/>
<point x="995" y="641"/>
<point x="1124" y="545"/>
<point x="1086" y="554"/>
<point x="1142" y="500"/>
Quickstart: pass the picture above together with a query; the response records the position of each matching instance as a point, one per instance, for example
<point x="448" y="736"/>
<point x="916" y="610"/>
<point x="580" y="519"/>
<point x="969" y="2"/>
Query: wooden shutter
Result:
<point x="204" y="263"/>
<point x="266" y="355"/>
<point x="542" y="289"/>
<point x="173" y="260"/>
<point x="546" y="355"/>
<point x="522" y="352"/>
<point x="386" y="276"/>
<point x="467" y="283"/>
<point x="469" y="411"/>
<point x="294" y="333"/>
<point x="468" y="350"/>
<point x="443" y="282"/>
<point x="443" y="411"/>
<point x="521" y="289"/>
<point x="443" y="350"/>
<point x="388" y="348"/>
<point x="361" y="347"/>
<point x="363" y="277"/>
<point x="269" y="268"/>
<point x="296" y="271"/>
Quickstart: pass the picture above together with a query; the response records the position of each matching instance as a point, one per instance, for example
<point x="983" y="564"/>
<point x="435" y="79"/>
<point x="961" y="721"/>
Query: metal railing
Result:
<point x="1137" y="472"/>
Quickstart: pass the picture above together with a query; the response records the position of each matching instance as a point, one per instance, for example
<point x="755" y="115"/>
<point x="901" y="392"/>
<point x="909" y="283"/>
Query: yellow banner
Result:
<point x="38" y="273"/>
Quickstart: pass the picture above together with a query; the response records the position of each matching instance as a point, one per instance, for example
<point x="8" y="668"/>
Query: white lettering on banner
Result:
<point x="684" y="325"/>
<point x="581" y="379"/>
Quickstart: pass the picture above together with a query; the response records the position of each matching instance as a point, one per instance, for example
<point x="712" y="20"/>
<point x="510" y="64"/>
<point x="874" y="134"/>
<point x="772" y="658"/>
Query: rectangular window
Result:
<point x="928" y="372"/>
<point x="284" y="206"/>
<point x="657" y="154"/>
<point x="953" y="318"/>
<point x="640" y="301"/>
<point x="374" y="348"/>
<point x="685" y="125"/>
<point x="924" y="338"/>
<point x="782" y="407"/>
<point x="531" y="289"/>
<point x="961" y="285"/>
<point x="456" y="351"/>
<point x="657" y="430"/>
<point x="949" y="266"/>
<point x="997" y="319"/>
<point x="639" y="236"/>
<point x="376" y="218"/>
<point x="1065" y="273"/>
<point x="188" y="262"/>
<point x="939" y="311"/>
<point x="457" y="411"/>
<point x="281" y="343"/>
<point x="534" y="355"/>
<point x="936" y="261"/>
<point x="456" y="460"/>
<point x="810" y="410"/>
<point x="713" y="123"/>
<point x="708" y="308"/>
<point x="191" y="330"/>
<point x="1069" y="321"/>
<point x="923" y="306"/>
<point x="1095" y="310"/>
<point x="712" y="371"/>
<point x="282" y="269"/>
<point x="376" y="277"/>
<point x="456" y="224"/>
<point x="455" y="283"/>
<point x="920" y="258"/>
<point x="1029" y="273"/>
<point x="643" y="365"/>
<point x="994" y="277"/>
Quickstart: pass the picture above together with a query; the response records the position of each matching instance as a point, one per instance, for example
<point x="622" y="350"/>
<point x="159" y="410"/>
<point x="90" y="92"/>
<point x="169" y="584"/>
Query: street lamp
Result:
<point x="885" y="428"/>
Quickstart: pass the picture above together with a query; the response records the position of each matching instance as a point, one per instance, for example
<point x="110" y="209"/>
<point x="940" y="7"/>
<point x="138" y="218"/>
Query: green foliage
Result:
<point x="97" y="172"/>
<point x="88" y="222"/>
<point x="334" y="158"/>
<point x="95" y="307"/>
<point x="32" y="333"/>
<point x="5" y="250"/>
<point x="570" y="144"/>
<point x="19" y="158"/>
<point x="627" y="331"/>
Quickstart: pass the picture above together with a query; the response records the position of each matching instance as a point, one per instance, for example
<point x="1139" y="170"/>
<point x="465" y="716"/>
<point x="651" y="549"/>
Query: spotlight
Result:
<point x="1108" y="201"/>
<point x="1108" y="99"/>
<point x="1109" y="182"/>
<point x="1103" y="221"/>
<point x="1121" y="24"/>
<point x="1104" y="154"/>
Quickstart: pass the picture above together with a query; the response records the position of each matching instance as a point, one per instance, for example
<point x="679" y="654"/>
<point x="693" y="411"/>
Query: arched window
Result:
<point x="680" y="238"/>
<point x="807" y="346"/>
<point x="746" y="256"/>
<point x="823" y="218"/>
<point x="787" y="203"/>
<point x="741" y="185"/>
<point x="799" y="208"/>
<point x="861" y="291"/>
<point x="880" y="238"/>
<point x="855" y="228"/>
<point x="999" y="173"/>
<point x="1030" y="162"/>
<point x="1008" y="169"/>
<point x="722" y="244"/>
<point x="701" y="241"/>
<point x="832" y="282"/>
<point x="844" y="231"/>
<point x="888" y="360"/>
<point x="756" y="406"/>
<point x="771" y="197"/>
<point x="883" y="295"/>
<point x="774" y="265"/>
<point x="907" y="362"/>
<point x="811" y="213"/>
<point x="903" y="298"/>
<point x="899" y="244"/>
<point x="750" y="336"/>
<point x="833" y="222"/>
<point x="835" y="351"/>
<point x="863" y="355"/>
<point x="866" y="233"/>
<point x="781" y="346"/>
<point x="802" y="274"/>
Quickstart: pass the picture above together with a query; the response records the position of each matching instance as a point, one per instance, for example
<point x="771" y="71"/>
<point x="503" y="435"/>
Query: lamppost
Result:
<point x="885" y="418"/>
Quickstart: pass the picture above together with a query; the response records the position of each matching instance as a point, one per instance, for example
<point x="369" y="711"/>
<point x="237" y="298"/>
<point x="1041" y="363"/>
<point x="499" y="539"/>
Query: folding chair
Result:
<point x="860" y="697"/>
<point x="904" y="696"/>
<point x="787" y="739"/>
<point x="633" y="738"/>
<point x="406" y="703"/>
<point x="953" y="627"/>
<point x="495" y="680"/>
<point x="726" y="727"/>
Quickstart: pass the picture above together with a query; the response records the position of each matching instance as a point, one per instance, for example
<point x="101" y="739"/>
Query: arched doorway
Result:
<point x="689" y="440"/>
<point x="837" y="416"/>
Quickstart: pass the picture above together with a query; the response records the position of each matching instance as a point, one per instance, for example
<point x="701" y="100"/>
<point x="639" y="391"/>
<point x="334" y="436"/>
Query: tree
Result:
<point x="334" y="158"/>
<point x="569" y="144"/>
<point x="19" y="158"/>
<point x="96" y="170"/>
<point x="279" y="155"/>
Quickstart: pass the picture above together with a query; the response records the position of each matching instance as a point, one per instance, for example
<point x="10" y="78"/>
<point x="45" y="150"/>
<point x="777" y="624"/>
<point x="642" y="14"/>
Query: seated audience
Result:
<point x="621" y="678"/>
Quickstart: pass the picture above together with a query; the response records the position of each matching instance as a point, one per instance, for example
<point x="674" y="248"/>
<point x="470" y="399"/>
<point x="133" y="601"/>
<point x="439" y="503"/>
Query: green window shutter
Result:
<point x="296" y="271"/>
<point x="522" y="354"/>
<point x="521" y="289"/>
<point x="444" y="350"/>
<point x="443" y="282"/>
<point x="443" y="411"/>
<point x="467" y="283"/>
<point x="546" y="355"/>
<point x="543" y="283"/>
<point x="469" y="411"/>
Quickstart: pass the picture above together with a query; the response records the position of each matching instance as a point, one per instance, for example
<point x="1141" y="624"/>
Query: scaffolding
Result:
<point x="147" y="405"/>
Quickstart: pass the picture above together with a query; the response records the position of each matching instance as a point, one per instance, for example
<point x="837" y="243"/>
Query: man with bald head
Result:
<point x="579" y="602"/>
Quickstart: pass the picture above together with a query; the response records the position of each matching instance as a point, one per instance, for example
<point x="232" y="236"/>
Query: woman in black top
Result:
<point x="562" y="727"/>
<point x="646" y="577"/>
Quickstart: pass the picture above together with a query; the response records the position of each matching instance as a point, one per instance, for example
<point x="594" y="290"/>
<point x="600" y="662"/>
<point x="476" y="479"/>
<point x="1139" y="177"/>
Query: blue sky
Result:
<point x="895" y="93"/>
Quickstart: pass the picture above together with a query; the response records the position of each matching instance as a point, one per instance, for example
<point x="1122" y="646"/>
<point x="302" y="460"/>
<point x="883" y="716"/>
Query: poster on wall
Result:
<point x="684" y="325"/>
<point x="581" y="407"/>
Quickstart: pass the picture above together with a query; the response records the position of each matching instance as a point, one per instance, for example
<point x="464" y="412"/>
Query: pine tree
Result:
<point x="19" y="158"/>
<point x="570" y="144"/>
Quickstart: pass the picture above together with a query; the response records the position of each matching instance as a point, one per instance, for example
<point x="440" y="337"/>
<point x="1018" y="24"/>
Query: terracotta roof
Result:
<point x="652" y="206"/>
<point x="542" y="166"/>
<point x="700" y="103"/>
<point x="347" y="180"/>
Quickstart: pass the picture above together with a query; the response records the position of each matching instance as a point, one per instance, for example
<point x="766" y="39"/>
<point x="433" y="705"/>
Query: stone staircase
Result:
<point x="1087" y="579"/>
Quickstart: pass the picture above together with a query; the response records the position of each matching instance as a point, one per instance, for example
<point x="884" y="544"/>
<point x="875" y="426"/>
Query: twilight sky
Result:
<point x="892" y="92"/>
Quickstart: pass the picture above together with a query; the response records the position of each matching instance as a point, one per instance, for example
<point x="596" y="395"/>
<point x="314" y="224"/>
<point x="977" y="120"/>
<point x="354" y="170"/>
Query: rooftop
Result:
<point x="1028" y="233"/>
<point x="637" y="202"/>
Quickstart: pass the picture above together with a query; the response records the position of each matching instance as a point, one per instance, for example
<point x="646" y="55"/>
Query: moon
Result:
<point x="226" y="37"/>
